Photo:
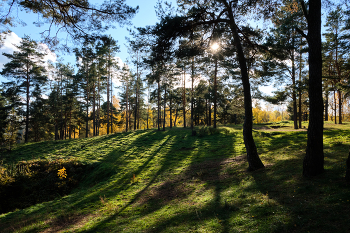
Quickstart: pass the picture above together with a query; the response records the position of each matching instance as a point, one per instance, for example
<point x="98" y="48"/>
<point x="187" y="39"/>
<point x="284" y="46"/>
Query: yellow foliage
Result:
<point x="62" y="173"/>
<point x="268" y="115"/>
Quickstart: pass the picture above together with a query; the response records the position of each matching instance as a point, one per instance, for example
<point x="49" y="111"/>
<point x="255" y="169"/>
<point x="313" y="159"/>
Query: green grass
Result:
<point x="187" y="183"/>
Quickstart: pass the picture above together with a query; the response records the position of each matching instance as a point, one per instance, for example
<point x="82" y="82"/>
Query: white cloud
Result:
<point x="50" y="56"/>
<point x="9" y="46"/>
<point x="10" y="41"/>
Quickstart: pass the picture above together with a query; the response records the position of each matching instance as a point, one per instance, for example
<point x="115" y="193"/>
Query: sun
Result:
<point x="215" y="46"/>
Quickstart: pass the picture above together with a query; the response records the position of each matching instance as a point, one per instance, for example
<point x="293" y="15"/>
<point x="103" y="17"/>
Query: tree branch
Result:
<point x="302" y="3"/>
<point x="302" y="33"/>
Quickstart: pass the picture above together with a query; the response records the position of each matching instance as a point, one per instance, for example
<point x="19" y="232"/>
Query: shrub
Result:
<point x="27" y="183"/>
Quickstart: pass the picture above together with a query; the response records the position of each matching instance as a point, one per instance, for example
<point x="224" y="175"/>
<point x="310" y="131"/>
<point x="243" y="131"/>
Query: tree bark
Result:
<point x="252" y="153"/>
<point x="326" y="107"/>
<point x="158" y="104"/>
<point x="108" y="77"/>
<point x="164" y="108"/>
<point x="192" y="99"/>
<point x="184" y="99"/>
<point x="335" y="106"/>
<point x="294" y="97"/>
<point x="215" y="90"/>
<point x="340" y="107"/>
<point x="300" y="78"/>
<point x="170" y="110"/>
<point x="27" y="103"/>
<point x="313" y="163"/>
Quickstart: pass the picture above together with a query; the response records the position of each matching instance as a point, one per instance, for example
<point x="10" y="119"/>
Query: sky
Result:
<point x="145" y="16"/>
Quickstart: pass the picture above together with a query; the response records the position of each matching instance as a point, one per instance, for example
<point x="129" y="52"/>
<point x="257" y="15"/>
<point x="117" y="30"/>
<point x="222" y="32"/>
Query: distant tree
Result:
<point x="336" y="51"/>
<point x="86" y="57"/>
<point x="26" y="67"/>
<point x="126" y="79"/>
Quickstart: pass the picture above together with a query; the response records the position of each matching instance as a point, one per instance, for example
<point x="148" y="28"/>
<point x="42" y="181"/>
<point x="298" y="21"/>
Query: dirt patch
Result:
<point x="60" y="223"/>
<point x="261" y="127"/>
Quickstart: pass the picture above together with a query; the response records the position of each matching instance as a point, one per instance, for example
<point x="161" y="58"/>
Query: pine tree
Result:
<point x="26" y="68"/>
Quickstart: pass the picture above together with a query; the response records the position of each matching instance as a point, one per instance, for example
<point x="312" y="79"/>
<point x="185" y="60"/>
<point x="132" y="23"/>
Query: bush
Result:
<point x="205" y="131"/>
<point x="28" y="183"/>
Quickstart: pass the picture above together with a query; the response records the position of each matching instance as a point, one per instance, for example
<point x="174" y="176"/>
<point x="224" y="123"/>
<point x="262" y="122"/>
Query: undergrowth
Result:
<point x="29" y="182"/>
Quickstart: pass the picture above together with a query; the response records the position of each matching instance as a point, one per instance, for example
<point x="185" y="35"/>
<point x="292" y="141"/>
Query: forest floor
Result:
<point x="170" y="181"/>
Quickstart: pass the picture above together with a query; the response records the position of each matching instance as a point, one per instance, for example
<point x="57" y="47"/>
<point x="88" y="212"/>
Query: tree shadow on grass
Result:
<point x="181" y="170"/>
<point x="298" y="204"/>
<point x="154" y="196"/>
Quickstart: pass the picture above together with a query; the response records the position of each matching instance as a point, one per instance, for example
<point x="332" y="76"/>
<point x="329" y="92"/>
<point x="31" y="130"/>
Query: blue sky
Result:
<point x="145" y="16"/>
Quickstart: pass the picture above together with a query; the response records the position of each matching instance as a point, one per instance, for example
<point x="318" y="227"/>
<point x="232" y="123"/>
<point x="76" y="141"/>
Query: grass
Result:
<point x="150" y="181"/>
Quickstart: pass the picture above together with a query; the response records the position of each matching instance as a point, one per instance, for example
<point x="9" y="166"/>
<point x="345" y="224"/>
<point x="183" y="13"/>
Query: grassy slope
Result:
<point x="192" y="184"/>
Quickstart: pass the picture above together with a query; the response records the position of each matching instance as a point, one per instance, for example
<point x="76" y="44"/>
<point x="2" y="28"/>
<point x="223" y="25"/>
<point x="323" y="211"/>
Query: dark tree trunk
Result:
<point x="135" y="113"/>
<point x="27" y="111"/>
<point x="192" y="99"/>
<point x="94" y="111"/>
<point x="340" y="108"/>
<point x="170" y="110"/>
<point x="158" y="121"/>
<point x="108" y="77"/>
<point x="111" y="110"/>
<point x="335" y="107"/>
<point x="126" y="109"/>
<point x="314" y="158"/>
<point x="215" y="90"/>
<point x="184" y="100"/>
<point x="347" y="175"/>
<point x="164" y="115"/>
<point x="252" y="153"/>
<point x="300" y="102"/>
<point x="206" y="112"/>
<point x="326" y="108"/>
<point x="98" y="108"/>
<point x="294" y="97"/>
<point x="176" y="114"/>
<point x="87" y="106"/>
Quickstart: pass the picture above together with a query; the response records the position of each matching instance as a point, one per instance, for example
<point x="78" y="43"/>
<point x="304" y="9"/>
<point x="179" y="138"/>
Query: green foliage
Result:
<point x="77" y="18"/>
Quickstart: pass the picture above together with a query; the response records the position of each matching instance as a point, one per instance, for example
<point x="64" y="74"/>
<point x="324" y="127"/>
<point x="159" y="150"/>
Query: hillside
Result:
<point x="170" y="181"/>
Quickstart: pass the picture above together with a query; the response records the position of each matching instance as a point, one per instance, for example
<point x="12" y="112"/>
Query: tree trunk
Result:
<point x="347" y="175"/>
<point x="314" y="158"/>
<point x="294" y="97"/>
<point x="108" y="77"/>
<point x="326" y="107"/>
<point x="252" y="153"/>
<point x="164" y="108"/>
<point x="300" y="102"/>
<point x="98" y="107"/>
<point x="170" y="114"/>
<point x="126" y="109"/>
<point x="27" y="110"/>
<point x="94" y="111"/>
<point x="158" y="81"/>
<point x="87" y="105"/>
<point x="111" y="105"/>
<point x="192" y="99"/>
<point x="335" y="106"/>
<point x="184" y="99"/>
<point x="340" y="107"/>
<point x="215" y="90"/>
